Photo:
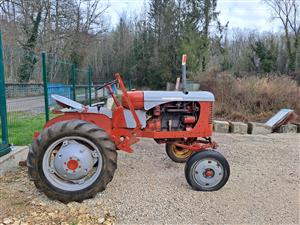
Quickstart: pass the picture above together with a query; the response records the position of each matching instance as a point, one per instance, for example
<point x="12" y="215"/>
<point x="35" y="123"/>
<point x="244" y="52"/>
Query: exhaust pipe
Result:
<point x="183" y="74"/>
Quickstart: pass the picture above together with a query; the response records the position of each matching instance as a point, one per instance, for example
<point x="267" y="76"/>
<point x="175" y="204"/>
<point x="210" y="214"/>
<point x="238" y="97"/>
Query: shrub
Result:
<point x="250" y="98"/>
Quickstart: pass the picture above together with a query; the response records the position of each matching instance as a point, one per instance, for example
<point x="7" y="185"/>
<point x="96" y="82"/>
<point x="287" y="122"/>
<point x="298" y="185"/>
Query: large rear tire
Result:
<point x="72" y="161"/>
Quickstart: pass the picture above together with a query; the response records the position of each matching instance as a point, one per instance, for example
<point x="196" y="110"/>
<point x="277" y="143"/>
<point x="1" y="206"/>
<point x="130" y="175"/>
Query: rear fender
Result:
<point x="99" y="120"/>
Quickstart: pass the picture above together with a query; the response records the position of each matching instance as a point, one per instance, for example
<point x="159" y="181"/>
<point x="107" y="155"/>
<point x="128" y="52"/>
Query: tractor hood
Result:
<point x="153" y="98"/>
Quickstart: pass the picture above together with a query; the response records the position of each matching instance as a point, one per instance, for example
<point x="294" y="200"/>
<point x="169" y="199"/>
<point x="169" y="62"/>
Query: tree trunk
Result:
<point x="28" y="61"/>
<point x="297" y="51"/>
<point x="207" y="18"/>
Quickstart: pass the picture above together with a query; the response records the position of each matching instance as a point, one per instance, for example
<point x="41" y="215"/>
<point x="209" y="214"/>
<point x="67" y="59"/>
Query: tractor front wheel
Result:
<point x="178" y="154"/>
<point x="72" y="161"/>
<point x="207" y="171"/>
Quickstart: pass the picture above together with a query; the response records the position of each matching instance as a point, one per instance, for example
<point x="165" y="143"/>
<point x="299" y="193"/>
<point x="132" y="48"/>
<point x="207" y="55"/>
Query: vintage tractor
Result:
<point x="75" y="156"/>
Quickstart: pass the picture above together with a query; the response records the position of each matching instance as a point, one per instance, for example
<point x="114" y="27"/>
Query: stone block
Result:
<point x="298" y="127"/>
<point x="288" y="128"/>
<point x="10" y="161"/>
<point x="258" y="128"/>
<point x="238" y="127"/>
<point x="221" y="126"/>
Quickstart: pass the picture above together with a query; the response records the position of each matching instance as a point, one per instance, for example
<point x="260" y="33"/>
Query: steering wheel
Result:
<point x="106" y="84"/>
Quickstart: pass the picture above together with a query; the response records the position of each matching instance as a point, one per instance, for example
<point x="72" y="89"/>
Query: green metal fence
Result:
<point x="24" y="93"/>
<point x="27" y="81"/>
<point x="4" y="147"/>
<point x="66" y="79"/>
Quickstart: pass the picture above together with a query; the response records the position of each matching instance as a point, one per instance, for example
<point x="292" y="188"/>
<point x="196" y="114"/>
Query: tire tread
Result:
<point x="71" y="127"/>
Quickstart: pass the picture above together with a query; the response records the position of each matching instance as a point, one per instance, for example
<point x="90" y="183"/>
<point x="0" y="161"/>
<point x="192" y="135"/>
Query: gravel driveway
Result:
<point x="148" y="188"/>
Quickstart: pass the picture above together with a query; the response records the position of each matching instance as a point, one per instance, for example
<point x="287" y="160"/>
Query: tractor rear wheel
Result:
<point x="207" y="171"/>
<point x="178" y="154"/>
<point x="72" y="161"/>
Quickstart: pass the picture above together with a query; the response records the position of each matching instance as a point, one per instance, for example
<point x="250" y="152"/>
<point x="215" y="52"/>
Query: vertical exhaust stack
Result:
<point x="183" y="75"/>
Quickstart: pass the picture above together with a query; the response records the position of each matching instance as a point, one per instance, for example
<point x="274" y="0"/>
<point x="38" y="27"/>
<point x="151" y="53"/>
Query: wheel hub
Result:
<point x="208" y="173"/>
<point x="73" y="161"/>
<point x="73" y="164"/>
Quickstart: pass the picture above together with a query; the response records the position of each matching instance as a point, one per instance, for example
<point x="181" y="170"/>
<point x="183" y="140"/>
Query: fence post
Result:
<point x="74" y="81"/>
<point x="45" y="82"/>
<point x="90" y="73"/>
<point x="4" y="147"/>
<point x="129" y="82"/>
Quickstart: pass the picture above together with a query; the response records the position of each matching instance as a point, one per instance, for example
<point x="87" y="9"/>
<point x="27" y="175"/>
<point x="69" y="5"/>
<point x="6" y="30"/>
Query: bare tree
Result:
<point x="28" y="15"/>
<point x="287" y="11"/>
<point x="88" y="23"/>
<point x="61" y="27"/>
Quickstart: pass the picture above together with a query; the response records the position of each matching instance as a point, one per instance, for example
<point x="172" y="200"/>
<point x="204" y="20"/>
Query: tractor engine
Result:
<point x="173" y="116"/>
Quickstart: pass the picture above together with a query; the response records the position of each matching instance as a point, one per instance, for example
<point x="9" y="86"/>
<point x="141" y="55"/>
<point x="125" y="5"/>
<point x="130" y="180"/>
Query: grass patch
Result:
<point x="74" y="223"/>
<point x="22" y="125"/>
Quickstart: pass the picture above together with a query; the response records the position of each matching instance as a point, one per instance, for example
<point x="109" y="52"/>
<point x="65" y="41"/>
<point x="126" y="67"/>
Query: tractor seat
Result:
<point x="137" y="99"/>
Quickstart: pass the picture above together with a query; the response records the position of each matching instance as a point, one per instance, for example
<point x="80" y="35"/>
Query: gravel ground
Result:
<point x="148" y="188"/>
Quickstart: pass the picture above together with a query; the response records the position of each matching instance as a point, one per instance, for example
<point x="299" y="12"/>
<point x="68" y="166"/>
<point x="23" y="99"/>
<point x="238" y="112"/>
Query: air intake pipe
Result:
<point x="183" y="75"/>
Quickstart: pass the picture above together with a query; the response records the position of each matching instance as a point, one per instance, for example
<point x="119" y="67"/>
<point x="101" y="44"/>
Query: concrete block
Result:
<point x="258" y="128"/>
<point x="221" y="126"/>
<point x="288" y="128"/>
<point x="298" y="127"/>
<point x="238" y="127"/>
<point x="10" y="161"/>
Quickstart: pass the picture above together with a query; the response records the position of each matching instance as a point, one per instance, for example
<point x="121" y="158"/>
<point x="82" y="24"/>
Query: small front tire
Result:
<point x="207" y="171"/>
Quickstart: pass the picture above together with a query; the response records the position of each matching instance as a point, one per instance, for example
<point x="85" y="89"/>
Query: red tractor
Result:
<point x="75" y="156"/>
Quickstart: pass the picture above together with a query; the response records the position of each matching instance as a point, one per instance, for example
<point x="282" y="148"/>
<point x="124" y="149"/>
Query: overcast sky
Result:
<point x="250" y="14"/>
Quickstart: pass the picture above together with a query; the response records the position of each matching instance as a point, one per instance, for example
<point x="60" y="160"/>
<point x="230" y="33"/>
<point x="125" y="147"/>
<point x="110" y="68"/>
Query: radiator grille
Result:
<point x="210" y="116"/>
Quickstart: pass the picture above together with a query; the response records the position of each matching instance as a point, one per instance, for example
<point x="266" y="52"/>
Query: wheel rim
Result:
<point x="182" y="153"/>
<point x="72" y="163"/>
<point x="208" y="173"/>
